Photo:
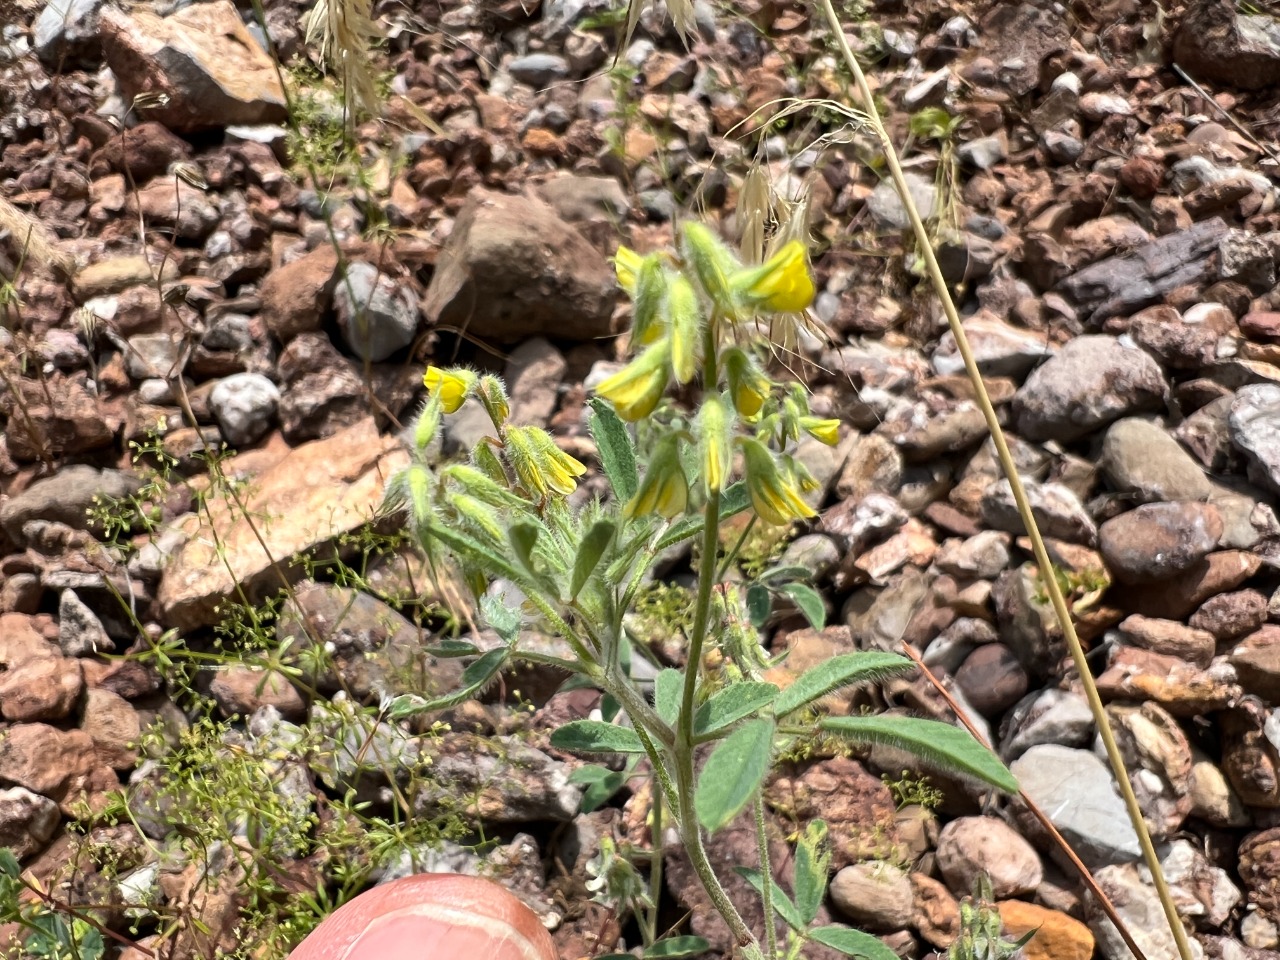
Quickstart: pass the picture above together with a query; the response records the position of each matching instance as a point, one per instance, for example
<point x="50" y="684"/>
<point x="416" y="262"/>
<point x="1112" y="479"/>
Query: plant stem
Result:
<point x="1056" y="597"/>
<point x="766" y="888"/>
<point x="655" y="862"/>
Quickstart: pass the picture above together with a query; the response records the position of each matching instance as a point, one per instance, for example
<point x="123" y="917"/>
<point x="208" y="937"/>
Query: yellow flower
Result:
<point x="665" y="488"/>
<point x="748" y="386"/>
<point x="626" y="264"/>
<point x="541" y="467"/>
<point x="826" y="431"/>
<point x="715" y="443"/>
<point x="774" y="497"/>
<point x="780" y="285"/>
<point x="452" y="386"/>
<point x="636" y="389"/>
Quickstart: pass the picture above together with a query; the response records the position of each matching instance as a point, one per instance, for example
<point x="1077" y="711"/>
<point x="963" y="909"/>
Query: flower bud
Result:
<point x="493" y="395"/>
<point x="715" y="447"/>
<point x="665" y="488"/>
<point x="685" y="318"/>
<point x="713" y="263"/>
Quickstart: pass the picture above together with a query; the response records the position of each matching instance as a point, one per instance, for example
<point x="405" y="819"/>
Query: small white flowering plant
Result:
<point x="721" y="434"/>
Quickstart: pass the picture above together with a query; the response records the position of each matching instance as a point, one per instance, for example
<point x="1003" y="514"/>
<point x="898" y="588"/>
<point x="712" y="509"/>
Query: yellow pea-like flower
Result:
<point x="782" y="284"/>
<point x="626" y="264"/>
<point x="541" y="467"/>
<point x="748" y="386"/>
<point x="774" y="497"/>
<point x="825" y="431"/>
<point x="665" y="488"/>
<point x="452" y="386"/>
<point x="636" y="389"/>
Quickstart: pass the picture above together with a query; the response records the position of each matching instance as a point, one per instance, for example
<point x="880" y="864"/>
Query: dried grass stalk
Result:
<point x="345" y="32"/>
<point x="32" y="242"/>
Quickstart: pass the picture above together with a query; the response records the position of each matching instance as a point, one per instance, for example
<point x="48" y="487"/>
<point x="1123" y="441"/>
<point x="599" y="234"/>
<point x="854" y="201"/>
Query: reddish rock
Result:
<point x="1057" y="936"/>
<point x="1257" y="663"/>
<point x="296" y="297"/>
<point x="1229" y="616"/>
<point x="46" y="688"/>
<point x="144" y="151"/>
<point x="1141" y="175"/>
<point x="991" y="679"/>
<point x="1169" y="637"/>
<point x="241" y="690"/>
<point x="1260" y="870"/>
<point x="1179" y="687"/>
<point x="61" y="765"/>
<point x="1158" y="540"/>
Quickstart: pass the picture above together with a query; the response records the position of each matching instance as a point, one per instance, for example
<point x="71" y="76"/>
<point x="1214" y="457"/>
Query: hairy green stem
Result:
<point x="655" y="858"/>
<point x="1007" y="464"/>
<point x="766" y="887"/>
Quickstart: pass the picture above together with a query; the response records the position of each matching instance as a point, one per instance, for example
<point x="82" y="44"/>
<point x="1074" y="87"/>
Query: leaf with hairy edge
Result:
<point x="813" y="858"/>
<point x="845" y="670"/>
<point x="474" y="679"/>
<point x="782" y="904"/>
<point x="673" y="947"/>
<point x="941" y="745"/>
<point x="594" y="736"/>
<point x="730" y="705"/>
<point x="668" y="688"/>
<point x="808" y="601"/>
<point x="733" y="773"/>
<point x="616" y="450"/>
<point x="852" y="943"/>
<point x="601" y="784"/>
<point x="594" y="544"/>
<point x="759" y="604"/>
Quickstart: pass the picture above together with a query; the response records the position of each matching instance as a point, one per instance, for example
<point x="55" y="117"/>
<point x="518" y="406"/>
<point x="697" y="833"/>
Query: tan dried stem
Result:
<point x="1041" y="553"/>
<point x="33" y="241"/>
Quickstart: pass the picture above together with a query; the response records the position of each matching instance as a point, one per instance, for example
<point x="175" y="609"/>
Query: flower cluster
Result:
<point x="689" y="320"/>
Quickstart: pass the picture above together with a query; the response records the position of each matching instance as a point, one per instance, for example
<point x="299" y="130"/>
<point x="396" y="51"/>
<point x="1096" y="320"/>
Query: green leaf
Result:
<point x="602" y="783"/>
<point x="524" y="538"/>
<point x="616" y="449"/>
<point x="759" y="603"/>
<point x="9" y="863"/>
<point x="813" y="858"/>
<point x="840" y="671"/>
<point x="852" y="943"/>
<point x="941" y="745"/>
<point x="673" y="947"/>
<point x="504" y="619"/>
<point x="782" y="904"/>
<point x="595" y="736"/>
<point x="474" y="679"/>
<point x="450" y="648"/>
<point x="592" y="548"/>
<point x="809" y="602"/>
<point x="733" y="773"/>
<point x="790" y="571"/>
<point x="668" y="689"/>
<point x="730" y="705"/>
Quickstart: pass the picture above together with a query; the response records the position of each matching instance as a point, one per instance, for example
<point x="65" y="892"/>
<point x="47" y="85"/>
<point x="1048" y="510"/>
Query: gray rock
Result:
<point x="377" y="315"/>
<point x="1141" y="457"/>
<point x="1158" y="757"/>
<point x="874" y="894"/>
<point x="65" y="498"/>
<point x="1000" y="349"/>
<point x="1054" y="716"/>
<point x="501" y="779"/>
<point x="533" y="375"/>
<point x="1089" y="383"/>
<point x="539" y="69"/>
<point x="1057" y="510"/>
<point x="27" y="821"/>
<point x="582" y="199"/>
<point x="1139" y="909"/>
<point x="1076" y="790"/>
<point x="80" y="632"/>
<point x="886" y="207"/>
<point x="1254" y="423"/>
<point x="152" y="355"/>
<point x="244" y="404"/>
<point x="1061" y="147"/>
<point x="971" y="846"/>
<point x="1158" y="540"/>
<point x="67" y="30"/>
<point x="815" y="552"/>
<point x="981" y="557"/>
<point x="1199" y="889"/>
<point x="984" y="152"/>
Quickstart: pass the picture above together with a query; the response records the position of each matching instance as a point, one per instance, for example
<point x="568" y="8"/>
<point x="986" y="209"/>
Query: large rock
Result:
<point x="970" y="847"/>
<point x="317" y="492"/>
<point x="1140" y="457"/>
<point x="1219" y="42"/>
<point x="27" y="820"/>
<point x="1089" y="383"/>
<point x="1157" y="540"/>
<point x="1254" y="423"/>
<point x="512" y="269"/>
<point x="65" y="497"/>
<point x="1079" y="795"/>
<point x="1157" y="754"/>
<point x="296" y="296"/>
<point x="202" y="58"/>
